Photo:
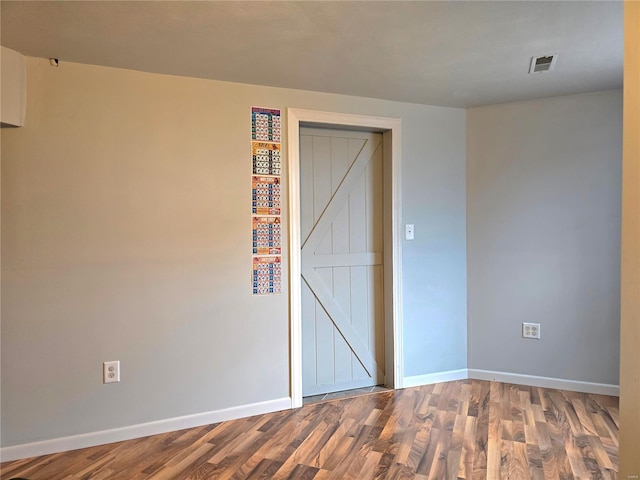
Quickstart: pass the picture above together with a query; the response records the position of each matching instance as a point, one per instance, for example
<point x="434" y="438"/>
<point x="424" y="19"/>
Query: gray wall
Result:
<point x="125" y="236"/>
<point x="543" y="236"/>
<point x="434" y="267"/>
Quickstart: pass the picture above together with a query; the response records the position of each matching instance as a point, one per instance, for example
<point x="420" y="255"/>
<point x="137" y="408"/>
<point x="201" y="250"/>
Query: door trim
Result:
<point x="392" y="201"/>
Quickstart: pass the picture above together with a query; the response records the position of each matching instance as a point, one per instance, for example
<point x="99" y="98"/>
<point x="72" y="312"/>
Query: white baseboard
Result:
<point x="429" y="378"/>
<point x="546" y="382"/>
<point x="92" y="439"/>
<point x="516" y="378"/>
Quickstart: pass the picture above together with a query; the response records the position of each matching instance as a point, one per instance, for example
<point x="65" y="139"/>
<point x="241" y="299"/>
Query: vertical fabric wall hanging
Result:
<point x="266" y="206"/>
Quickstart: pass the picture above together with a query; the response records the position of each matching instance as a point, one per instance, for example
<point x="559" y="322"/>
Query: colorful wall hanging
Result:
<point x="266" y="201"/>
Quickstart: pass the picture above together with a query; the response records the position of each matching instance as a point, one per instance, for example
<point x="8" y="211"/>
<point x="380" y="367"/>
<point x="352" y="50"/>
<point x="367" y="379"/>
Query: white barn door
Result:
<point x="341" y="211"/>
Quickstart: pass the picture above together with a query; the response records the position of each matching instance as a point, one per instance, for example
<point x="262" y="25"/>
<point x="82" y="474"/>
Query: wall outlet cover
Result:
<point x="111" y="372"/>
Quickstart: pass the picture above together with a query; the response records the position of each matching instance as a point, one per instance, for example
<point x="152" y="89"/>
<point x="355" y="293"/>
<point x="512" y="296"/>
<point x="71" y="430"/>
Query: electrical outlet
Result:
<point x="531" y="330"/>
<point x="111" y="372"/>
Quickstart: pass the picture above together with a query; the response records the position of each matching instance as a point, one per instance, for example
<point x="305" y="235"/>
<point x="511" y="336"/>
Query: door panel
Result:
<point x="341" y="232"/>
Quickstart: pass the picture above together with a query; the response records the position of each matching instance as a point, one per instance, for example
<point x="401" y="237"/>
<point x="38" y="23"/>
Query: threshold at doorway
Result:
<point x="344" y="394"/>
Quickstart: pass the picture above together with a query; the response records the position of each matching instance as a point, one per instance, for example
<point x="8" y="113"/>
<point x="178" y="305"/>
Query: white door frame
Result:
<point x="392" y="201"/>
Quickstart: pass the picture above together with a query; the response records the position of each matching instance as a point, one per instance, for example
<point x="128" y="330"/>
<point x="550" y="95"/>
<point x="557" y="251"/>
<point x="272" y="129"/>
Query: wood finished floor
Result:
<point x="466" y="429"/>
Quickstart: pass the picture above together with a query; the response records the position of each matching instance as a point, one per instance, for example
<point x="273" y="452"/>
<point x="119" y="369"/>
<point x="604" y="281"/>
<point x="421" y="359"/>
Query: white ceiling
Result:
<point x="453" y="53"/>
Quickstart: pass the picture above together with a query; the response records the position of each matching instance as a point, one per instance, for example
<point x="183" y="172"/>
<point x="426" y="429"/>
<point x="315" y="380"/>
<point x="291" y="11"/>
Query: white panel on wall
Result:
<point x="14" y="88"/>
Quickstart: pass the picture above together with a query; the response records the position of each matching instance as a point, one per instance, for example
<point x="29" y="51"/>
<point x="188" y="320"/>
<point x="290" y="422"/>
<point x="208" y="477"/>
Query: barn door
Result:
<point x="342" y="278"/>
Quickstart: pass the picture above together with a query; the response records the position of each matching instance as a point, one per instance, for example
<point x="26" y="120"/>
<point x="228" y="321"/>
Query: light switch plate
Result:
<point x="409" y="231"/>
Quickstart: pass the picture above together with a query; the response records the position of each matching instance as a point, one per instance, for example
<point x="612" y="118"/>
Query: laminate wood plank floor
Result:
<point x="467" y="429"/>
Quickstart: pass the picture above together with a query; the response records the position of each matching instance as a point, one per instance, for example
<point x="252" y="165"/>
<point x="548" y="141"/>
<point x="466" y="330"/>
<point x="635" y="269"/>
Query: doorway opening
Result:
<point x="391" y="261"/>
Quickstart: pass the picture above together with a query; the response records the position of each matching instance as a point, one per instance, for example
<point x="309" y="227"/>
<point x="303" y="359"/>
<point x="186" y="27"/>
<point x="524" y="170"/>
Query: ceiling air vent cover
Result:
<point x="543" y="63"/>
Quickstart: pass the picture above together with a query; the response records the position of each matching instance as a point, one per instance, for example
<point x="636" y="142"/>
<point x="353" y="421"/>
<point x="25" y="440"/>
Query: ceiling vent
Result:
<point x="543" y="63"/>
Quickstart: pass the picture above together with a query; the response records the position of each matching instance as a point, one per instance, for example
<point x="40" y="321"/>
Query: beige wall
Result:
<point x="126" y="236"/>
<point x="630" y="304"/>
